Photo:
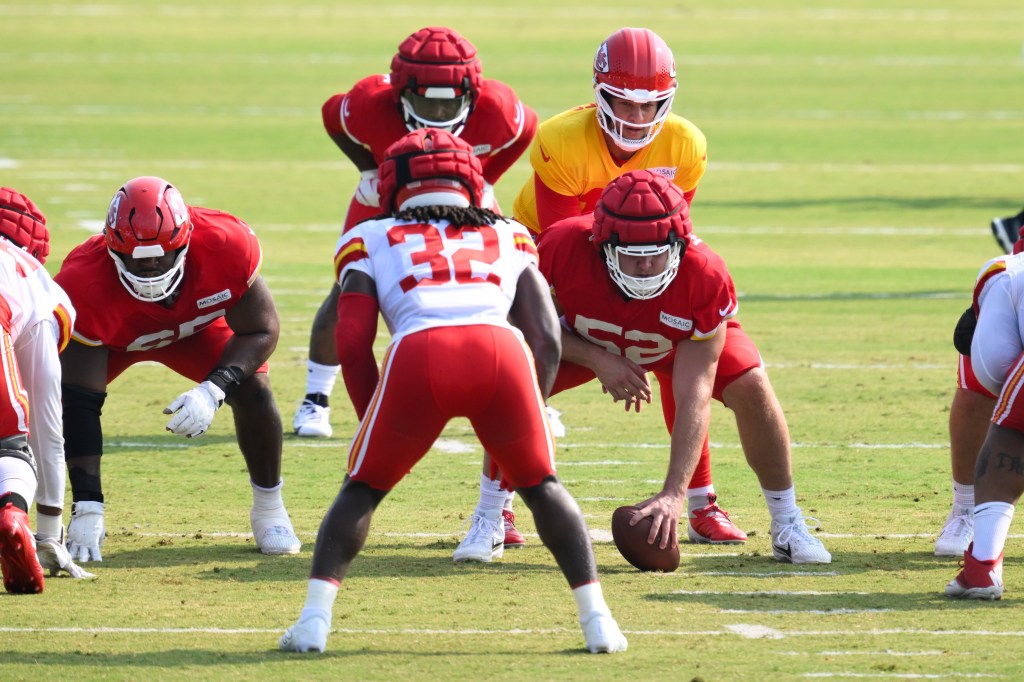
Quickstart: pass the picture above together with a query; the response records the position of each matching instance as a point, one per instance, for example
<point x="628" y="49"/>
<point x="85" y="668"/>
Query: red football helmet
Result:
<point x="429" y="167"/>
<point x="148" y="218"/>
<point x="634" y="64"/>
<point x="23" y="223"/>
<point x="642" y="214"/>
<point x="436" y="79"/>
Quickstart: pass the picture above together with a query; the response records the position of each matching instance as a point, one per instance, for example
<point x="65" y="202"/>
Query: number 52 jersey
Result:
<point x="433" y="274"/>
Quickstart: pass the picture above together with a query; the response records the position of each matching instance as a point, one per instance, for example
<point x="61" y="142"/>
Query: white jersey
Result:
<point x="999" y="337"/>
<point x="42" y="318"/>
<point x="433" y="275"/>
<point x="30" y="292"/>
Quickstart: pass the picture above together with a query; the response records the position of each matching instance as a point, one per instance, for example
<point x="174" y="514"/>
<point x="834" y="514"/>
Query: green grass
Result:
<point x="857" y="154"/>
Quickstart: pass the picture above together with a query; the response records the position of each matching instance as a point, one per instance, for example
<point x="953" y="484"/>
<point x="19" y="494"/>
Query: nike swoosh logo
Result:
<point x="496" y="545"/>
<point x="783" y="550"/>
<point x="544" y="156"/>
<point x="726" y="309"/>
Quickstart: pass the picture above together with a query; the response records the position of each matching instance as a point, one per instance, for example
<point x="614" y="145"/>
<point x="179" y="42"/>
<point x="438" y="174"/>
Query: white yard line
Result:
<point x="745" y="630"/>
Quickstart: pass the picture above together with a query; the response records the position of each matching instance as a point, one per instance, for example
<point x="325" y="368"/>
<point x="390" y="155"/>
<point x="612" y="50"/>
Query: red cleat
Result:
<point x="21" y="569"/>
<point x="711" y="525"/>
<point x="978" y="579"/>
<point x="513" y="538"/>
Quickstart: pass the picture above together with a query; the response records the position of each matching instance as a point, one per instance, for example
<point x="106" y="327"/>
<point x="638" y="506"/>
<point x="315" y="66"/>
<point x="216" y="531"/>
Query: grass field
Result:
<point x="857" y="153"/>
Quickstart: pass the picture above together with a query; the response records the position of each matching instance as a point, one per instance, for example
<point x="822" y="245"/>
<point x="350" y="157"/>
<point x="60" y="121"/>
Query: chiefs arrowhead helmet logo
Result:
<point x="601" y="59"/>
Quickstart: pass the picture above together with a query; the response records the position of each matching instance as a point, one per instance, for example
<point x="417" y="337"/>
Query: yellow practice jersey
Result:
<point x="570" y="156"/>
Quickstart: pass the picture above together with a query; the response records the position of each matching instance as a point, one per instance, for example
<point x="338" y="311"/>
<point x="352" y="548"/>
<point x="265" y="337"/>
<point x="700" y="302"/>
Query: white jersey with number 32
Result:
<point x="433" y="274"/>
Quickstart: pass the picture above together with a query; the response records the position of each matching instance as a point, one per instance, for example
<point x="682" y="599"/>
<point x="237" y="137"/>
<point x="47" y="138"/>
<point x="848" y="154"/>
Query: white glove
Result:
<point x="86" y="531"/>
<point x="368" y="191"/>
<point x="487" y="200"/>
<point x="193" y="410"/>
<point x="55" y="557"/>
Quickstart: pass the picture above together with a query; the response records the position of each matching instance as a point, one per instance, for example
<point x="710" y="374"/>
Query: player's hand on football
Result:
<point x="193" y="410"/>
<point x="664" y="510"/>
<point x="54" y="557"/>
<point x="86" y="531"/>
<point x="624" y="380"/>
<point x="368" y="190"/>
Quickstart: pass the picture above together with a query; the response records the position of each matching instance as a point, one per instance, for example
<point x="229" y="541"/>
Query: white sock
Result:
<point x="320" y="596"/>
<point x="49" y="527"/>
<point x="267" y="498"/>
<point x="963" y="494"/>
<point x="492" y="498"/>
<point x="321" y="378"/>
<point x="697" y="498"/>
<point x="590" y="598"/>
<point x="510" y="495"/>
<point x="991" y="524"/>
<point x="781" y="503"/>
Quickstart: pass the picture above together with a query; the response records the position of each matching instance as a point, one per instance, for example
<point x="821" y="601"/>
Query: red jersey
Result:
<point x="222" y="261"/>
<point x="499" y="128"/>
<point x="699" y="299"/>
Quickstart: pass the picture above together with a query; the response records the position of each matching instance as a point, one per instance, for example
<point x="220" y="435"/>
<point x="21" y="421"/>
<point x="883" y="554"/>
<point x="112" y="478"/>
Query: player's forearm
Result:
<point x="248" y="351"/>
<point x="688" y="436"/>
<point x="581" y="352"/>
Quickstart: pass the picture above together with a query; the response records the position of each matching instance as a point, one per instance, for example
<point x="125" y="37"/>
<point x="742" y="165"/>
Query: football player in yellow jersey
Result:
<point x="630" y="126"/>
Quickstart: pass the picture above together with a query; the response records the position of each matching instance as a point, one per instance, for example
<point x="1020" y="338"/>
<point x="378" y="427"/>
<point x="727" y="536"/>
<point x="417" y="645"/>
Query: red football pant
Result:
<point x="482" y="372"/>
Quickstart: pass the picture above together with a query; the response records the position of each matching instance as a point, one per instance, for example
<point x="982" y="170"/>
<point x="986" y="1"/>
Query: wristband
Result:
<point x="226" y="379"/>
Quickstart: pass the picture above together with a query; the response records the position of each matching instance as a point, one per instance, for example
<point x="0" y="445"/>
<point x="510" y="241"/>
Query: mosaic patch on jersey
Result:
<point x="218" y="297"/>
<point x="667" y="173"/>
<point x="676" y="322"/>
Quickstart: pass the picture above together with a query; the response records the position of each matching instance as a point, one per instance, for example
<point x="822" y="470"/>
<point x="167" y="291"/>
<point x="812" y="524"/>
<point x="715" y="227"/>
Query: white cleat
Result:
<point x="793" y="542"/>
<point x="957" y="533"/>
<point x="484" y="542"/>
<point x="312" y="420"/>
<point x="308" y="635"/>
<point x="273" y="532"/>
<point x="602" y="634"/>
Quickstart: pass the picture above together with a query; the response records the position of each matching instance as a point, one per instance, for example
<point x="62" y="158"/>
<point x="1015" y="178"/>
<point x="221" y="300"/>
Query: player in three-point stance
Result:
<point x="991" y="344"/>
<point x="36" y="318"/>
<point x="179" y="285"/>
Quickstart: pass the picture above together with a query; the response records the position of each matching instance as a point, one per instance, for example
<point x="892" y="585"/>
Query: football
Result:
<point x="632" y="544"/>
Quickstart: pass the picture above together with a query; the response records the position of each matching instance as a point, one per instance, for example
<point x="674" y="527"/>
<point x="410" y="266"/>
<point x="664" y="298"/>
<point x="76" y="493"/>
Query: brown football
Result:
<point x="632" y="544"/>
